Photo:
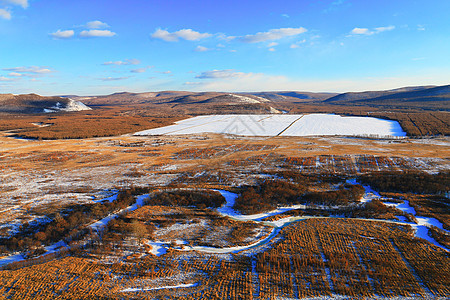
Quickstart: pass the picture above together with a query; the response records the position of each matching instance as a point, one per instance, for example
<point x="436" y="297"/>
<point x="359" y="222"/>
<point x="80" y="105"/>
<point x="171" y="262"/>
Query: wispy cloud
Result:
<point x="358" y="30"/>
<point x="93" y="30"/>
<point x="96" y="25"/>
<point x="214" y="74"/>
<point x="185" y="34"/>
<point x="233" y="81"/>
<point x="336" y="5"/>
<point x="271" y="35"/>
<point x="297" y="44"/>
<point x="63" y="34"/>
<point x="114" y="78"/>
<point x="30" y="70"/>
<point x="202" y="49"/>
<point x="3" y="78"/>
<point x="5" y="14"/>
<point x="139" y="70"/>
<point x="23" y="3"/>
<point x="386" y="28"/>
<point x="420" y="27"/>
<point x="15" y="74"/>
<point x="96" y="33"/>
<point x="367" y="31"/>
<point x="126" y="62"/>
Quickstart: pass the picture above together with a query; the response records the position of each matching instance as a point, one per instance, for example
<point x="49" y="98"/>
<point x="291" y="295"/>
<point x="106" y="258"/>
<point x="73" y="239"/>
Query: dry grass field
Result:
<point x="314" y="257"/>
<point x="311" y="258"/>
<point x="38" y="177"/>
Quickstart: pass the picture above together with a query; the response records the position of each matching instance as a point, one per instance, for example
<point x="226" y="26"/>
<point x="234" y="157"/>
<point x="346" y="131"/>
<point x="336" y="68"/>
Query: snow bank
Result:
<point x="281" y="125"/>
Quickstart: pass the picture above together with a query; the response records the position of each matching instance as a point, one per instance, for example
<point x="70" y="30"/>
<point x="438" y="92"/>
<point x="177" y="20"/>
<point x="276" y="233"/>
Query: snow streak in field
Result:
<point x="281" y="125"/>
<point x="131" y="290"/>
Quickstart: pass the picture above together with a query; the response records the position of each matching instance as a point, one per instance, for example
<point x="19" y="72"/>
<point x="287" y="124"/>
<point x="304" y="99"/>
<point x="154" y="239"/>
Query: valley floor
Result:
<point x="303" y="251"/>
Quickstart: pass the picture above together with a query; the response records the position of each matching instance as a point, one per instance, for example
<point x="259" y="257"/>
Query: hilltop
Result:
<point x="32" y="103"/>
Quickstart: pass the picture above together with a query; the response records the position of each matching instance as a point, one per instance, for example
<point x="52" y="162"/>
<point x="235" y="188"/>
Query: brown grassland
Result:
<point x="315" y="257"/>
<point x="65" y="178"/>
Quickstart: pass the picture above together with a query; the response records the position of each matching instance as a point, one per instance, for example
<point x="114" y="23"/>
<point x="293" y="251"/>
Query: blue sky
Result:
<point x="89" y="47"/>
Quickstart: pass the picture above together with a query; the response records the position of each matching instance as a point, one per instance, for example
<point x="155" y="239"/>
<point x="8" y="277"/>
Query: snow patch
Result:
<point x="132" y="290"/>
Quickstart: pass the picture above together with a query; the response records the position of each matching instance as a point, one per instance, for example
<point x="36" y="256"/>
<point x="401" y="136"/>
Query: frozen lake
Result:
<point x="281" y="125"/>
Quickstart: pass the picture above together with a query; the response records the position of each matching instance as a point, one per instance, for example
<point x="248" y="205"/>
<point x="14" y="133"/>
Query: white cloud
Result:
<point x="30" y="70"/>
<point x="139" y="70"/>
<point x="113" y="78"/>
<point x="271" y="35"/>
<point x="285" y="15"/>
<point x="23" y="3"/>
<point x="96" y="25"/>
<point x="126" y="62"/>
<point x="233" y="81"/>
<point x="297" y="44"/>
<point x="214" y="74"/>
<point x="366" y="31"/>
<point x="3" y="78"/>
<point x="186" y="34"/>
<point x="386" y="28"/>
<point x="273" y="44"/>
<point x="15" y="74"/>
<point x="358" y="30"/>
<point x="202" y="49"/>
<point x="271" y="49"/>
<point x="4" y="14"/>
<point x="96" y="33"/>
<point x="63" y="34"/>
<point x="420" y="27"/>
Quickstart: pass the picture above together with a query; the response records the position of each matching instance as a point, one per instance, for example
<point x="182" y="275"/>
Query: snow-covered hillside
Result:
<point x="71" y="105"/>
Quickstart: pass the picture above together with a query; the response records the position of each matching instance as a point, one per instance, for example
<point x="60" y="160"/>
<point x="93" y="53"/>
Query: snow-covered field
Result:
<point x="281" y="125"/>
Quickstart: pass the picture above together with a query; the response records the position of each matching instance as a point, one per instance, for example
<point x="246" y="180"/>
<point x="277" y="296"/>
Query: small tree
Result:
<point x="139" y="230"/>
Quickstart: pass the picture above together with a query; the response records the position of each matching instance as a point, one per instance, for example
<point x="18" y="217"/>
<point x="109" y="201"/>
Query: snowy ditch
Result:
<point x="160" y="247"/>
<point x="97" y="226"/>
<point x="421" y="229"/>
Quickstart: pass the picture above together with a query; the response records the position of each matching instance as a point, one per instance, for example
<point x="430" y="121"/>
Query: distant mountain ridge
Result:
<point x="185" y="102"/>
<point x="426" y="97"/>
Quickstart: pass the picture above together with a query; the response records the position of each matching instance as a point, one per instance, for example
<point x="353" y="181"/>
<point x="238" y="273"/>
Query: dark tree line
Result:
<point x="271" y="194"/>
<point x="268" y="196"/>
<point x="408" y="182"/>
<point x="188" y="198"/>
<point x="345" y="195"/>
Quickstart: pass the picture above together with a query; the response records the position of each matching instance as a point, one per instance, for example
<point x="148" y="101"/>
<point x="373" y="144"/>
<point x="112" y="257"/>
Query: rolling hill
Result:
<point x="32" y="103"/>
<point x="435" y="98"/>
